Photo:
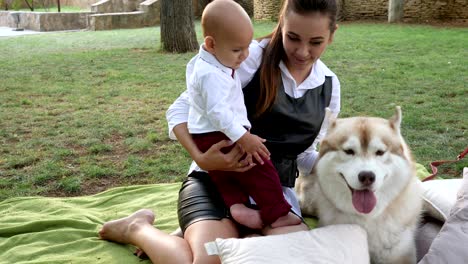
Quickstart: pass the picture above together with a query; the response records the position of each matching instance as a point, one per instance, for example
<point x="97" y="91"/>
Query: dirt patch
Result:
<point x="91" y="187"/>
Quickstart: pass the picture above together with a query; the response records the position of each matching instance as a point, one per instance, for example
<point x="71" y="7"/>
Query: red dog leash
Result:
<point x="434" y="164"/>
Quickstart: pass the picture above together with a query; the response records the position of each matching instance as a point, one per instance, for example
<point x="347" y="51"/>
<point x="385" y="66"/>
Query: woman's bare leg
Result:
<point x="284" y="229"/>
<point x="199" y="233"/>
<point x="138" y="230"/>
<point x="286" y="220"/>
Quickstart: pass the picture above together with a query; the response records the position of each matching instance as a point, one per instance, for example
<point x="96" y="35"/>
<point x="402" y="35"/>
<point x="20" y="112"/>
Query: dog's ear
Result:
<point x="330" y="119"/>
<point x="395" y="120"/>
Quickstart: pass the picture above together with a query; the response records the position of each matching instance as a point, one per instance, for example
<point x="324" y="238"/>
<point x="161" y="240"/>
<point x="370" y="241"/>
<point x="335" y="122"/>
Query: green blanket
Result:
<point x="64" y="230"/>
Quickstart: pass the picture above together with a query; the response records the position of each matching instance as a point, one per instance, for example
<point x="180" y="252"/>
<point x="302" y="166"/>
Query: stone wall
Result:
<point x="148" y="15"/>
<point x="266" y="9"/>
<point x="414" y="10"/>
<point x="436" y="9"/>
<point x="46" y="21"/>
<point x="6" y="20"/>
<point x="121" y="5"/>
<point x="367" y="9"/>
<point x="116" y="20"/>
<point x="103" y="17"/>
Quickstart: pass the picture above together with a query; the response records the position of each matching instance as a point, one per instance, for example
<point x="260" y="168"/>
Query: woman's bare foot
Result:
<point x="246" y="216"/>
<point x="287" y="220"/>
<point x="120" y="229"/>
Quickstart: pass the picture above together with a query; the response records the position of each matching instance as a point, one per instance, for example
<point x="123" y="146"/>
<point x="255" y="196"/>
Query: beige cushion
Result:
<point x="450" y="244"/>
<point x="335" y="244"/>
<point x="440" y="196"/>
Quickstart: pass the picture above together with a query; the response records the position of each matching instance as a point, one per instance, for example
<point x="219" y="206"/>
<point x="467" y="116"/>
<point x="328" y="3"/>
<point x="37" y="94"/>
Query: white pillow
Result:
<point x="440" y="196"/>
<point x="335" y="244"/>
<point x="450" y="244"/>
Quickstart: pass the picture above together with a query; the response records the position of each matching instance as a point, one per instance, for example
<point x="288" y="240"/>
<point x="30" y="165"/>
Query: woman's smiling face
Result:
<point x="305" y="38"/>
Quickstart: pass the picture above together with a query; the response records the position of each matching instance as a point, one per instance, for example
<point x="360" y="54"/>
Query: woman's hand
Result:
<point x="214" y="159"/>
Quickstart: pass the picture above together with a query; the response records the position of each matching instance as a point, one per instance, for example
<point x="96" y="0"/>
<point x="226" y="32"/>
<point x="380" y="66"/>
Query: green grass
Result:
<point x="82" y="112"/>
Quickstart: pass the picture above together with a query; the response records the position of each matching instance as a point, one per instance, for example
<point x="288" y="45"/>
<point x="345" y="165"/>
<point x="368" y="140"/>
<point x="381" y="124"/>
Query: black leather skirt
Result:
<point x="199" y="200"/>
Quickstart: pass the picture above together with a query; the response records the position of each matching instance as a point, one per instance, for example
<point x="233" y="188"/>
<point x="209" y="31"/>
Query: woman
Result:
<point x="286" y="91"/>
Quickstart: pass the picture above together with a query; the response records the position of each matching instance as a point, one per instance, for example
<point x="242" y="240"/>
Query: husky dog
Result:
<point x="365" y="175"/>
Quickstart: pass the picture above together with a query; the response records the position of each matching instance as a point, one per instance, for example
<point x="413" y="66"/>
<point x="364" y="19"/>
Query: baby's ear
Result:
<point x="209" y="44"/>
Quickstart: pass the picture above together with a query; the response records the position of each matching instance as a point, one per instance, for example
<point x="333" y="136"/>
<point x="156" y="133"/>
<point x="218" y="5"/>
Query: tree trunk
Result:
<point x="395" y="11"/>
<point x="199" y="5"/>
<point x="177" y="26"/>
<point x="31" y="7"/>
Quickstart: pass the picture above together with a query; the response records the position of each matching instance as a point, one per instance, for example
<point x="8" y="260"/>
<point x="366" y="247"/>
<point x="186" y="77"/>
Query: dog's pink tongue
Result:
<point x="364" y="201"/>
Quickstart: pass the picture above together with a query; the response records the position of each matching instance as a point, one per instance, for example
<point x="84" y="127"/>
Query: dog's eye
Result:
<point x="379" y="152"/>
<point x="349" y="151"/>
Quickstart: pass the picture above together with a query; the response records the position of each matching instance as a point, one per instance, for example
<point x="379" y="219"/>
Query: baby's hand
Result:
<point x="254" y="147"/>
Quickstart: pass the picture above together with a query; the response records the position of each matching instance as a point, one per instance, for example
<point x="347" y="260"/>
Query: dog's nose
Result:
<point x="366" y="177"/>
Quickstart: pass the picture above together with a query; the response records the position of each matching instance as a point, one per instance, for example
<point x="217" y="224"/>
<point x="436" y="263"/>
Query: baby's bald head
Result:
<point x="223" y="18"/>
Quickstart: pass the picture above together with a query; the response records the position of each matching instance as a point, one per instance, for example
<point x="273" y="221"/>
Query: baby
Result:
<point x="217" y="112"/>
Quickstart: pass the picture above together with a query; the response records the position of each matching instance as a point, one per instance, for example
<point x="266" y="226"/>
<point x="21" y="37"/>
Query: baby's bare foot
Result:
<point x="119" y="230"/>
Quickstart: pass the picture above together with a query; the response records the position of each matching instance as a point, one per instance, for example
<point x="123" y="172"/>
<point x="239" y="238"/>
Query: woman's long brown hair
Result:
<point x="269" y="70"/>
